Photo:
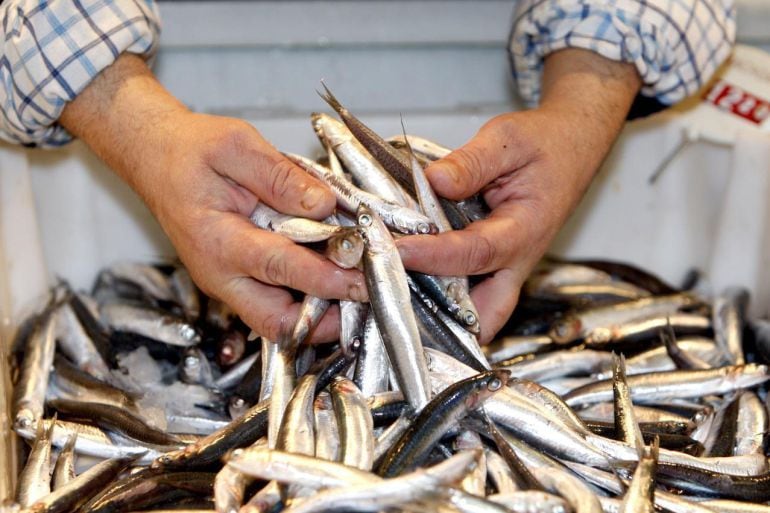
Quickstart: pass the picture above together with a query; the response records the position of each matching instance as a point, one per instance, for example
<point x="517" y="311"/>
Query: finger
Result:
<point x="465" y="171"/>
<point x="269" y="311"/>
<point x="495" y="298"/>
<point x="253" y="163"/>
<point x="482" y="247"/>
<point x="275" y="260"/>
<point x="328" y="330"/>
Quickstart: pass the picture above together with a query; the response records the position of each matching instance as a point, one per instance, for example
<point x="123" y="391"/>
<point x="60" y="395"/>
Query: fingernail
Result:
<point x="358" y="292"/>
<point x="312" y="197"/>
<point x="451" y="172"/>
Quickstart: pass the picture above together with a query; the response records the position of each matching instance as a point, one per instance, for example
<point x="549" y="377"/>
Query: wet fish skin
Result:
<point x="70" y="496"/>
<point x="386" y="281"/>
<point x="350" y="198"/>
<point x="367" y="172"/>
<point x="663" y="385"/>
<point x="354" y="422"/>
<point x="117" y="419"/>
<point x="625" y="420"/>
<point x="391" y="159"/>
<point x="390" y="493"/>
<point x="229" y="490"/>
<point x="639" y="497"/>
<point x="29" y="392"/>
<point x="296" y="229"/>
<point x="150" y="323"/>
<point x="240" y="432"/>
<point x="437" y="417"/>
<point x="64" y="469"/>
<point x="143" y="490"/>
<point x="35" y="477"/>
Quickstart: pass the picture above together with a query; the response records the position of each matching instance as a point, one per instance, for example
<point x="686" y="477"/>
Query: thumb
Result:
<point x="265" y="172"/>
<point x="466" y="170"/>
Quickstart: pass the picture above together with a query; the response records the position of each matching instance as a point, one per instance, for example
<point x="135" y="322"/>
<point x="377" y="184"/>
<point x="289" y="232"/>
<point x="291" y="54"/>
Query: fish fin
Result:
<point x="329" y="98"/>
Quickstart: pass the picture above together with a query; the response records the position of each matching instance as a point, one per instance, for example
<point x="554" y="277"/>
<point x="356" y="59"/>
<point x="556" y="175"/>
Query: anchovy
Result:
<point x="143" y="490"/>
<point x="35" y="478"/>
<point x="327" y="435"/>
<point x="297" y="229"/>
<point x="115" y="418"/>
<point x="437" y="417"/>
<point x="452" y="297"/>
<point x="354" y="422"/>
<point x="729" y="311"/>
<point x="69" y="382"/>
<point x="353" y="316"/>
<point x="64" y="469"/>
<point x="640" y="496"/>
<point x="364" y="168"/>
<point x="386" y="281"/>
<point x="391" y="493"/>
<point x="71" y="495"/>
<point x="153" y="324"/>
<point x="77" y="345"/>
<point x="240" y="432"/>
<point x="29" y="392"/>
<point x="186" y="293"/>
<point x="195" y="368"/>
<point x="625" y="420"/>
<point x="421" y="146"/>
<point x="602" y="319"/>
<point x="311" y="312"/>
<point x="391" y="159"/>
<point x="350" y="198"/>
<point x="657" y="386"/>
<point x="230" y="489"/>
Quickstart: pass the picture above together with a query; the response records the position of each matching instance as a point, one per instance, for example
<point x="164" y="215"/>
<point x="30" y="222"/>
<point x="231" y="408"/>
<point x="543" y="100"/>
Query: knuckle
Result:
<point x="473" y="163"/>
<point x="280" y="178"/>
<point x="236" y="138"/>
<point x="482" y="255"/>
<point x="275" y="268"/>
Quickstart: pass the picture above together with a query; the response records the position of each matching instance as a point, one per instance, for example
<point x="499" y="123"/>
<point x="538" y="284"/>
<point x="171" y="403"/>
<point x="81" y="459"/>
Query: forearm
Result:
<point x="593" y="95"/>
<point x="123" y="116"/>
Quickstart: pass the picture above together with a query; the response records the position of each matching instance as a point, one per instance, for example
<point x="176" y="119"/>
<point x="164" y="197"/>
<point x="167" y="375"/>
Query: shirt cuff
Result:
<point x="51" y="50"/>
<point x="675" y="46"/>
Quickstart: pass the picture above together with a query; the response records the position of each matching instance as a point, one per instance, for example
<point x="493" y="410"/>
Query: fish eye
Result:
<point x="364" y="219"/>
<point x="190" y="361"/>
<point x="346" y="245"/>
<point x="423" y="228"/>
<point x="494" y="385"/>
<point x="187" y="332"/>
<point x="561" y="329"/>
<point x="469" y="318"/>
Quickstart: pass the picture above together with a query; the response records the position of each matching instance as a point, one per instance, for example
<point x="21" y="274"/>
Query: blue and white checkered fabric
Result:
<point x="676" y="45"/>
<point x="52" y="49"/>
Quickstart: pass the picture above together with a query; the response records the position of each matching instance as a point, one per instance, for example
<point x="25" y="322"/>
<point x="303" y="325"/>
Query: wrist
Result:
<point x="124" y="116"/>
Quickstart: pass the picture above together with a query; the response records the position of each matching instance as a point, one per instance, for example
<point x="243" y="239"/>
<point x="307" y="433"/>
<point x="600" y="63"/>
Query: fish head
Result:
<point x="346" y="249"/>
<point x="373" y="231"/>
<point x="565" y="330"/>
<point x="487" y="384"/>
<point x="189" y="334"/>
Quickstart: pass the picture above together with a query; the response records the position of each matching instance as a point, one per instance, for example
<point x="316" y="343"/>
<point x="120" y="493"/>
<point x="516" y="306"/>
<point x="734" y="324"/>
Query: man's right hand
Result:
<point x="201" y="176"/>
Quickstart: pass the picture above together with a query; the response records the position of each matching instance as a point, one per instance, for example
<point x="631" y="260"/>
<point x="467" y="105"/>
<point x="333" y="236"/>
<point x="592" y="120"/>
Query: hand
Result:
<point x="202" y="176"/>
<point x="532" y="168"/>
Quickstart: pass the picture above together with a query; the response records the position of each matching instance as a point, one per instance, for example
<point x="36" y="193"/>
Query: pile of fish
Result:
<point x="608" y="390"/>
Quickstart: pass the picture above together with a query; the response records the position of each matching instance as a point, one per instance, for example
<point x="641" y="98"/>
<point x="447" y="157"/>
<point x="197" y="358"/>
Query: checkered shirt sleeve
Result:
<point x="52" y="49"/>
<point x="676" y="45"/>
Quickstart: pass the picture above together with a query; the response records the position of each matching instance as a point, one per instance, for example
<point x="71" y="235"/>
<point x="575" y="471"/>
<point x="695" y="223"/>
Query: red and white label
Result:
<point x="731" y="98"/>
